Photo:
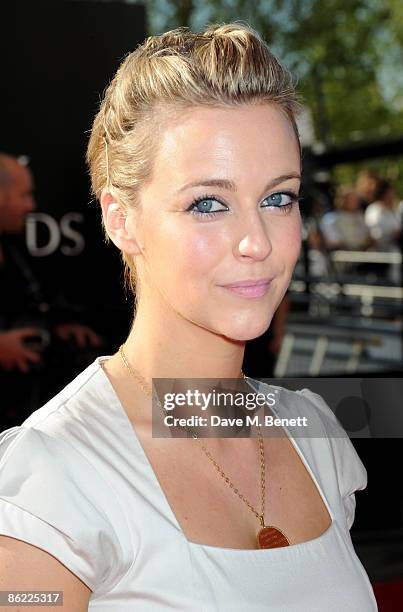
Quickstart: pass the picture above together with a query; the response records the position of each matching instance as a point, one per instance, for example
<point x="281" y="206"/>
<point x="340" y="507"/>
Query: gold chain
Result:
<point x="146" y="388"/>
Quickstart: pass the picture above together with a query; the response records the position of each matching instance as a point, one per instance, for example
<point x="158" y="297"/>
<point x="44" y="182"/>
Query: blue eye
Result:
<point x="276" y="200"/>
<point x="202" y="206"/>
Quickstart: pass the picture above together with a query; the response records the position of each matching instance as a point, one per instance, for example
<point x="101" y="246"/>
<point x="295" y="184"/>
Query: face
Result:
<point x="366" y="185"/>
<point x="352" y="202"/>
<point x="221" y="208"/>
<point x="389" y="197"/>
<point x="18" y="199"/>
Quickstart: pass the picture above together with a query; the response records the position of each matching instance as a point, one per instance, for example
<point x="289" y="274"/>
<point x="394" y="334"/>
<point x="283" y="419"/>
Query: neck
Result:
<point x="169" y="346"/>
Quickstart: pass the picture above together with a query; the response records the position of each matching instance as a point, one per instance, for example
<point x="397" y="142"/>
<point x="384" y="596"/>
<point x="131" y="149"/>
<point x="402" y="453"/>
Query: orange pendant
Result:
<point x="271" y="537"/>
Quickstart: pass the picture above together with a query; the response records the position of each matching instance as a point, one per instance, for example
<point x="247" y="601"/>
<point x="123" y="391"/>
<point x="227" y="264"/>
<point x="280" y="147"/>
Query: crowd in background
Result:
<point x="366" y="216"/>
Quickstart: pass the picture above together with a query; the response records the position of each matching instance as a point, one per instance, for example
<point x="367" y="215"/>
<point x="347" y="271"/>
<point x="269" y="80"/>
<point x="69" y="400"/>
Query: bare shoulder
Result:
<point x="24" y="567"/>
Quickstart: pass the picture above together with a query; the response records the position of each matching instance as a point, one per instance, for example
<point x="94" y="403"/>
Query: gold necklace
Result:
<point x="268" y="535"/>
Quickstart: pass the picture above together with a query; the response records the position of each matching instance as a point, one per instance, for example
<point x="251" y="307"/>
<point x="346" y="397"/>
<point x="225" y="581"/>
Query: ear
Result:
<point x="117" y="225"/>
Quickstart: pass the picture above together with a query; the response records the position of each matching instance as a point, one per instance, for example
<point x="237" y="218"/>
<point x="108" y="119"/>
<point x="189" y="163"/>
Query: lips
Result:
<point x="249" y="288"/>
<point x="249" y="283"/>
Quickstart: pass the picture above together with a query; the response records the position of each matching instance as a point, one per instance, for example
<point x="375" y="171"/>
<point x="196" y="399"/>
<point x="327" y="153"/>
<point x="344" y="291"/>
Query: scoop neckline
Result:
<point x="129" y="428"/>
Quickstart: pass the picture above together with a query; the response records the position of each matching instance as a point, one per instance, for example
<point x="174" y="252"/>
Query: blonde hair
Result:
<point x="226" y="65"/>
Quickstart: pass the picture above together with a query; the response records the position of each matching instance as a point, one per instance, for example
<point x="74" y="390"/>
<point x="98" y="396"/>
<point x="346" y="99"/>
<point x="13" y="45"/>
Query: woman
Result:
<point x="383" y="219"/>
<point x="195" y="158"/>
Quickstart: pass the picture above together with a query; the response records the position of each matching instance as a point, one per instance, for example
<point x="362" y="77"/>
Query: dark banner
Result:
<point x="57" y="59"/>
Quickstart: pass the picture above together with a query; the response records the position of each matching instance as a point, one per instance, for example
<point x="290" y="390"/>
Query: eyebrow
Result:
<point x="230" y="185"/>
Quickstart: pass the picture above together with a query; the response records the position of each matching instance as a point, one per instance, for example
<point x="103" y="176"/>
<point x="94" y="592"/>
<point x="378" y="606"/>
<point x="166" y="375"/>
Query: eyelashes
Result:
<point x="272" y="199"/>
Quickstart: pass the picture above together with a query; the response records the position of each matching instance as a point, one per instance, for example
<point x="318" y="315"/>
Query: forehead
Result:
<point x="22" y="177"/>
<point x="245" y="140"/>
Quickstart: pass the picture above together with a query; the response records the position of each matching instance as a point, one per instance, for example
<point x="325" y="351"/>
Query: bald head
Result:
<point x="4" y="170"/>
<point x="16" y="197"/>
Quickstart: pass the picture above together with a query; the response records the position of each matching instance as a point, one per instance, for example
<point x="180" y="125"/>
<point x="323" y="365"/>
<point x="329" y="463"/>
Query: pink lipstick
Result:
<point x="249" y="288"/>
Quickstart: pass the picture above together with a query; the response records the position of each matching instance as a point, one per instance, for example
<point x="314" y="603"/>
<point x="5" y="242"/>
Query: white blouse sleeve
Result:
<point x="52" y="498"/>
<point x="351" y="472"/>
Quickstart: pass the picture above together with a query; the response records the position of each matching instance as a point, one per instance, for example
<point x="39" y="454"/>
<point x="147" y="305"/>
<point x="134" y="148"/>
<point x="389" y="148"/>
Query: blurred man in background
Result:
<point x="16" y="201"/>
<point x="29" y="324"/>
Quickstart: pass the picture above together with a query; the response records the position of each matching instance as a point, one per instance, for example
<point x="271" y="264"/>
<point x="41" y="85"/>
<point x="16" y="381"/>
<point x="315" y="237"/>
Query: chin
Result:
<point x="244" y="330"/>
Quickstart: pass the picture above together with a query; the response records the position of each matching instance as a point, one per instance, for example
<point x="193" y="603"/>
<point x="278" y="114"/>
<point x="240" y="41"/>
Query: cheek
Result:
<point x="288" y="245"/>
<point x="190" y="255"/>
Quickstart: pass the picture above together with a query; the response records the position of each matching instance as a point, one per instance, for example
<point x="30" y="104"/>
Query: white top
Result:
<point x="382" y="223"/>
<point x="345" y="228"/>
<point x="75" y="482"/>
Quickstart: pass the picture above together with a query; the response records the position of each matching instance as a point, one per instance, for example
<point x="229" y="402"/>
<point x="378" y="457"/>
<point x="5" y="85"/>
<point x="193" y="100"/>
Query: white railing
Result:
<point x="387" y="257"/>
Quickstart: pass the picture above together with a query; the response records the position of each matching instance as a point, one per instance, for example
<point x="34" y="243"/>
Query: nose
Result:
<point x="31" y="204"/>
<point x="254" y="242"/>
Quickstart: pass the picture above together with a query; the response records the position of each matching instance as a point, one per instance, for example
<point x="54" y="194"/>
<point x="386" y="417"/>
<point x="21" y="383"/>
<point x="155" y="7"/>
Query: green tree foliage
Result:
<point x="347" y="55"/>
